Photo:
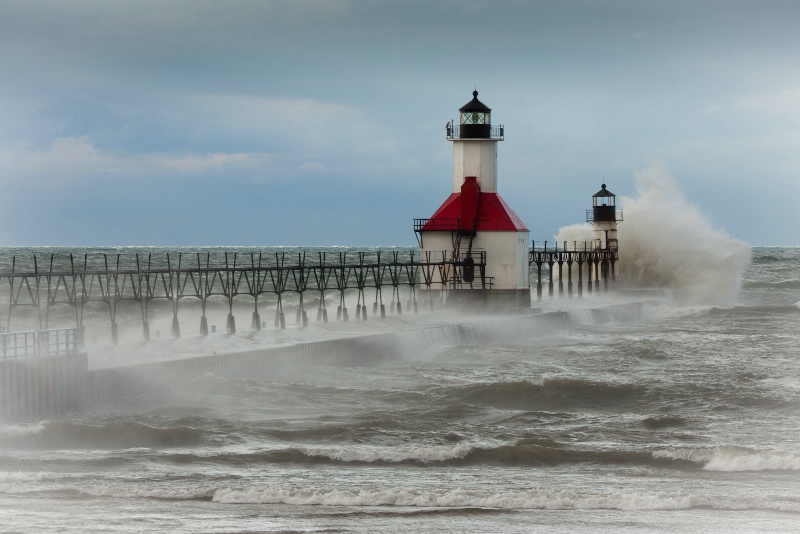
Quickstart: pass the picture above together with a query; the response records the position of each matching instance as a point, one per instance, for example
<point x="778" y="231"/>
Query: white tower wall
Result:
<point x="475" y="157"/>
<point x="605" y="235"/>
<point x="507" y="258"/>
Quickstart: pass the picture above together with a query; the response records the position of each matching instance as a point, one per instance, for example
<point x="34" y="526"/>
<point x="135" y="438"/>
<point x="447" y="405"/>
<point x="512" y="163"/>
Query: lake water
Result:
<point x="685" y="420"/>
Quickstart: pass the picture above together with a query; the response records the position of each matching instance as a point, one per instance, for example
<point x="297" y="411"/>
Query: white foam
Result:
<point x="11" y="477"/>
<point x="735" y="458"/>
<point x="19" y="430"/>
<point x="700" y="455"/>
<point x="740" y="459"/>
<point x="459" y="498"/>
<point x="664" y="312"/>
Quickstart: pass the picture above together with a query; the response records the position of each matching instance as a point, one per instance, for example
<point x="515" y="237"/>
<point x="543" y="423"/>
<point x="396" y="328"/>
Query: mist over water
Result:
<point x="666" y="242"/>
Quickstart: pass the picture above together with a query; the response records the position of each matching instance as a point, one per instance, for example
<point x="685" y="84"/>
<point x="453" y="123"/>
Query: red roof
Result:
<point x="494" y="215"/>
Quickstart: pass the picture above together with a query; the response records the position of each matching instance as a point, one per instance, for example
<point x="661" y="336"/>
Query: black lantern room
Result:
<point x="475" y="119"/>
<point x="604" y="205"/>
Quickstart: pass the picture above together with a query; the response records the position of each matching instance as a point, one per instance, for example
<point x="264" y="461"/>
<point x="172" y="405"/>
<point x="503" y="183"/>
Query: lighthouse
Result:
<point x="480" y="243"/>
<point x="604" y="218"/>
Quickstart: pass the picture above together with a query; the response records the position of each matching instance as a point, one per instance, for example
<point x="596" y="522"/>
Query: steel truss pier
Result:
<point x="143" y="278"/>
<point x="274" y="279"/>
<point x="599" y="264"/>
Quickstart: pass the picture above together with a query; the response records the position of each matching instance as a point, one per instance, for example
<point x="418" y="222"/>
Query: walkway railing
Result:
<point x="56" y="342"/>
<point x="142" y="278"/>
<point x="497" y="133"/>
<point x="272" y="278"/>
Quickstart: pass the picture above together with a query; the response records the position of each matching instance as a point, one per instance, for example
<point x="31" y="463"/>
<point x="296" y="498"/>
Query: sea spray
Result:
<point x="666" y="242"/>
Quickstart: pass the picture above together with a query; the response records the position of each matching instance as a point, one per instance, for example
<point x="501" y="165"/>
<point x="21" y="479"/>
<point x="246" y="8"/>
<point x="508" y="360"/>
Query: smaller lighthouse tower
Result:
<point x="604" y="218"/>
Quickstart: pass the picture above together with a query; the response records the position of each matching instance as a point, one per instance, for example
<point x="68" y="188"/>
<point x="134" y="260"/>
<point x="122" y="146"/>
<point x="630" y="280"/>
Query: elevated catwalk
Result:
<point x="275" y="280"/>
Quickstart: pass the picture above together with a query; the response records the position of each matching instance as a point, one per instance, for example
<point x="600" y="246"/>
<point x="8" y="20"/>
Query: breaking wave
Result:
<point x="528" y="452"/>
<point x="665" y="242"/>
<point x="458" y="498"/>
<point x="735" y="458"/>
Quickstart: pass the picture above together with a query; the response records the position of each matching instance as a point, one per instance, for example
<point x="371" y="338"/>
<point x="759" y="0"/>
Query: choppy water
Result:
<point x="687" y="420"/>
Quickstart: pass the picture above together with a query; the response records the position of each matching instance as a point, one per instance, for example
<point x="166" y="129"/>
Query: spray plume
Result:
<point x="667" y="243"/>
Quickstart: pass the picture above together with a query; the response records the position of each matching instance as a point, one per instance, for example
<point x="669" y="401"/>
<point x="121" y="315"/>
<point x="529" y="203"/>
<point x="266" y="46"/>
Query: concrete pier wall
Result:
<point x="43" y="387"/>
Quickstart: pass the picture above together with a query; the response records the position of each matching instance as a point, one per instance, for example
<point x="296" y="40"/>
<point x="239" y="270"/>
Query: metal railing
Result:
<point x="56" y="342"/>
<point x="563" y="246"/>
<point x="17" y="345"/>
<point x="497" y="133"/>
<point x="590" y="216"/>
<point x="437" y="224"/>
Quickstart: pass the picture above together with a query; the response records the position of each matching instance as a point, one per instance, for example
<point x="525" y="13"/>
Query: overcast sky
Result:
<point x="321" y="122"/>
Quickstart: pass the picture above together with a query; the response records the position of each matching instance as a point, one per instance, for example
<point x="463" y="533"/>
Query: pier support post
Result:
<point x="256" y="323"/>
<point x="203" y="326"/>
<point x="114" y="334"/>
<point x="538" y="279"/>
<point x="176" y="328"/>
<point x="597" y="276"/>
<point x="569" y="274"/>
<point x="383" y="310"/>
<point x="231" y="325"/>
<point x="589" y="276"/>
<point x="146" y="330"/>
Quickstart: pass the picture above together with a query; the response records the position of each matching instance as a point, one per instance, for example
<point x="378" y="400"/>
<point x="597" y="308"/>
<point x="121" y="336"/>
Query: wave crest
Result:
<point x="735" y="458"/>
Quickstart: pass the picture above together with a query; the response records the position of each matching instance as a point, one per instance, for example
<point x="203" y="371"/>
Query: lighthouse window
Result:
<point x="474" y="117"/>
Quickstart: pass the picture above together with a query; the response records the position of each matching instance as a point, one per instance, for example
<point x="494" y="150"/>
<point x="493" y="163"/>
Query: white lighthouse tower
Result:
<point x="604" y="218"/>
<point x="474" y="224"/>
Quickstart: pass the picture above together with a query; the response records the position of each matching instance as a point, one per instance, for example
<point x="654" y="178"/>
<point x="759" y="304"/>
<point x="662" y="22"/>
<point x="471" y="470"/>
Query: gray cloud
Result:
<point x="347" y="100"/>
